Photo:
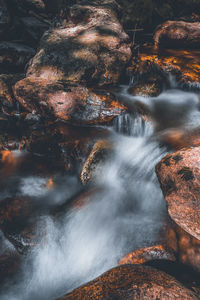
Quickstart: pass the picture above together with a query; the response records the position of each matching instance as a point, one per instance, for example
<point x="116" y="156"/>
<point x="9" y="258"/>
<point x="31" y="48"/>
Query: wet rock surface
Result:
<point x="182" y="64"/>
<point x="132" y="282"/>
<point x="178" y="34"/>
<point x="90" y="48"/>
<point x="54" y="140"/>
<point x="178" y="174"/>
<point x="73" y="103"/>
<point x="145" y="89"/>
<point x="188" y="249"/>
<point x="141" y="256"/>
<point x="100" y="151"/>
<point x="7" y="99"/>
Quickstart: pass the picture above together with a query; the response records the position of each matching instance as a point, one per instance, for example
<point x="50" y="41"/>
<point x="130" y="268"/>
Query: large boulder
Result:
<point x="132" y="282"/>
<point x="68" y="102"/>
<point x="91" y="47"/>
<point x="178" y="34"/>
<point x="179" y="175"/>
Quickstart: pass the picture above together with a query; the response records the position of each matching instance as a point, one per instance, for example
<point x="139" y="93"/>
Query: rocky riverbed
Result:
<point x="99" y="149"/>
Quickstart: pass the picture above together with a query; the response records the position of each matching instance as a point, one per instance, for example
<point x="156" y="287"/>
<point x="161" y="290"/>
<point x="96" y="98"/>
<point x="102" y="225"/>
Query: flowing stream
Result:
<point x="127" y="210"/>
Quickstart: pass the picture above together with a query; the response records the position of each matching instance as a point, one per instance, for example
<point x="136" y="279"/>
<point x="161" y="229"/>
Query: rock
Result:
<point x="100" y="151"/>
<point x="149" y="14"/>
<point x="178" y="174"/>
<point x="15" y="210"/>
<point x="178" y="34"/>
<point x="4" y="16"/>
<point x="44" y="143"/>
<point x="141" y="256"/>
<point x="17" y="223"/>
<point x="132" y="282"/>
<point x="76" y="144"/>
<point x="14" y="56"/>
<point x="188" y="249"/>
<point x="7" y="100"/>
<point x="183" y="65"/>
<point x="91" y="47"/>
<point x="180" y="138"/>
<point x="145" y="89"/>
<point x="61" y="100"/>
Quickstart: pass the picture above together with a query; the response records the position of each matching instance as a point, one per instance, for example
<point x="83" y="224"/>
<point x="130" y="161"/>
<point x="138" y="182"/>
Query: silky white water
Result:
<point x="126" y="212"/>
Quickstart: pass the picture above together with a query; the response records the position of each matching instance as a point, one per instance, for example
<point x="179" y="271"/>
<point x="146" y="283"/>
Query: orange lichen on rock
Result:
<point x="132" y="282"/>
<point x="184" y="64"/>
<point x="73" y="103"/>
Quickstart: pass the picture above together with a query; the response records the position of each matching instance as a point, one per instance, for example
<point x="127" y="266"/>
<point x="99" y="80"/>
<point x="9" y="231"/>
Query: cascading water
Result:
<point x="127" y="210"/>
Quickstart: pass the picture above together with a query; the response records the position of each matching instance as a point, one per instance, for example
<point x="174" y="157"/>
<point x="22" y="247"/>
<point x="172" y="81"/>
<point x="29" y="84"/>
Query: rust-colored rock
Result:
<point x="90" y="48"/>
<point x="98" y="154"/>
<point x="188" y="248"/>
<point x="178" y="34"/>
<point x="183" y="64"/>
<point x="141" y="256"/>
<point x="179" y="175"/>
<point x="145" y="89"/>
<point x="75" y="104"/>
<point x="180" y="138"/>
<point x="132" y="282"/>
